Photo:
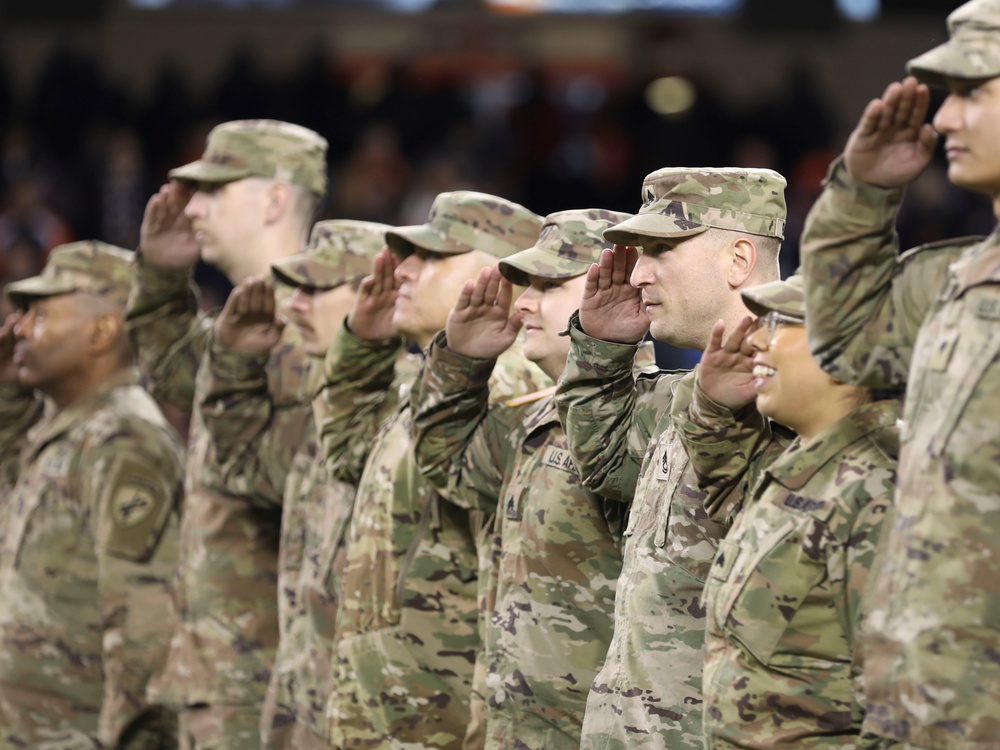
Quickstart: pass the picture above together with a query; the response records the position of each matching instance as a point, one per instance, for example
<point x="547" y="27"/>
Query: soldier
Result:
<point x="255" y="191"/>
<point x="408" y="625"/>
<point x="555" y="548"/>
<point x="926" y="318"/>
<point x="249" y="436"/>
<point x="705" y="235"/>
<point x="90" y="523"/>
<point x="784" y="597"/>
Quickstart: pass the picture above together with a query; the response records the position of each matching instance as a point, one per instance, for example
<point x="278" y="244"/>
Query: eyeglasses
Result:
<point x="772" y="320"/>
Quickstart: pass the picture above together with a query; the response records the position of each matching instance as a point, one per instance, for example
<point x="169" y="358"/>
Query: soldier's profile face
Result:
<point x="546" y="306"/>
<point x="969" y="123"/>
<point x="226" y="219"/>
<point x="429" y="285"/>
<point x="51" y="343"/>
<point x="791" y="387"/>
<point x="318" y="314"/>
<point x="683" y="287"/>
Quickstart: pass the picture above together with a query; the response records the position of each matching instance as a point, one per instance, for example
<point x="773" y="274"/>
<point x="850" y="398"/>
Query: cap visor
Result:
<point x="403" y="240"/>
<point x="203" y="171"/>
<point x="952" y="60"/>
<point x="633" y="231"/>
<point x="542" y="263"/>
<point x="775" y="296"/>
<point x="20" y="292"/>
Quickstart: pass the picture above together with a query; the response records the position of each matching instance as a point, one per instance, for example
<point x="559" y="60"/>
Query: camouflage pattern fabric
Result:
<point x="89" y="547"/>
<point x="250" y="444"/>
<point x="19" y="410"/>
<point x="621" y="434"/>
<point x="87" y="266"/>
<point x="971" y="52"/>
<point x="260" y="148"/>
<point x="785" y="594"/>
<point x="554" y="551"/>
<point x="215" y="727"/>
<point x="223" y="650"/>
<point x="408" y="618"/>
<point x="928" y="318"/>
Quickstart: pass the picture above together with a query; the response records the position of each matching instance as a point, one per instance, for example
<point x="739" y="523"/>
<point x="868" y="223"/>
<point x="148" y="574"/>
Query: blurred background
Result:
<point x="553" y="103"/>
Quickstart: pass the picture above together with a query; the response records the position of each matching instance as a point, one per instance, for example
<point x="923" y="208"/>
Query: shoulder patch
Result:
<point x="530" y="397"/>
<point x="136" y="507"/>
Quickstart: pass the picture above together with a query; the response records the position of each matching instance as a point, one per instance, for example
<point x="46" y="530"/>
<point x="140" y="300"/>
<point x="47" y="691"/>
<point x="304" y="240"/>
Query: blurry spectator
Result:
<point x="373" y="183"/>
<point x="123" y="188"/>
<point x="25" y="215"/>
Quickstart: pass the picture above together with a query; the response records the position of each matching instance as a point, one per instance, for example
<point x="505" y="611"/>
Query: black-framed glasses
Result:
<point x="772" y="320"/>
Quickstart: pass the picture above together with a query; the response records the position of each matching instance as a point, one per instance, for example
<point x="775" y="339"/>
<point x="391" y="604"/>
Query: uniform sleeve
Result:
<point x="607" y="415"/>
<point x="20" y="408"/>
<point x="458" y="440"/>
<point x="167" y="333"/>
<point x="864" y="302"/>
<point x="727" y="450"/>
<point x="252" y="439"/>
<point x="133" y="493"/>
<point x="358" y="393"/>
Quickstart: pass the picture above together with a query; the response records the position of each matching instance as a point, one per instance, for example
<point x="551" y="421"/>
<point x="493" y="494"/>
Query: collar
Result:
<point x="980" y="264"/>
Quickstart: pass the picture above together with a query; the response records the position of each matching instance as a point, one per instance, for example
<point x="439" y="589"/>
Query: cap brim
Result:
<point x="203" y="171"/>
<point x="299" y="270"/>
<point x="635" y="230"/>
<point x="402" y="241"/>
<point x="20" y="292"/>
<point x="952" y="60"/>
<point x="775" y="296"/>
<point x="542" y="263"/>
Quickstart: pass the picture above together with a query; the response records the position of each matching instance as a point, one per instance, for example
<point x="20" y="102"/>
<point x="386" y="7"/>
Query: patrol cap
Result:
<point x="570" y="241"/>
<point x="685" y="201"/>
<point x="786" y="297"/>
<point x="260" y="148"/>
<point x="89" y="266"/>
<point x="972" y="50"/>
<point x="339" y="252"/>
<point x="464" y="220"/>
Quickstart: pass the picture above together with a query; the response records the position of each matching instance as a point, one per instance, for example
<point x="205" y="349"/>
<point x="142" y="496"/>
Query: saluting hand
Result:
<point x="611" y="308"/>
<point x="480" y="324"/>
<point x="726" y="370"/>
<point x="166" y="237"/>
<point x="892" y="144"/>
<point x="371" y="317"/>
<point x="249" y="323"/>
<point x="8" y="370"/>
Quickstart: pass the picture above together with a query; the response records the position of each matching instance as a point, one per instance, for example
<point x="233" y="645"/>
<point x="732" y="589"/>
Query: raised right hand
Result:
<point x="892" y="144"/>
<point x="166" y="237"/>
<point x="725" y="373"/>
<point x="480" y="324"/>
<point x="248" y="323"/>
<point x="371" y="317"/>
<point x="8" y="370"/>
<point x="611" y="308"/>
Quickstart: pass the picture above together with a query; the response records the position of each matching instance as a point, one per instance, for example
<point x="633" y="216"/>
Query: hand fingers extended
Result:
<point x="592" y="282"/>
<point x="715" y="338"/>
<point x="479" y="289"/>
<point x="619" y="268"/>
<point x="465" y="296"/>
<point x="606" y="265"/>
<point x="734" y="343"/>
<point x="505" y="294"/>
<point x="492" y="286"/>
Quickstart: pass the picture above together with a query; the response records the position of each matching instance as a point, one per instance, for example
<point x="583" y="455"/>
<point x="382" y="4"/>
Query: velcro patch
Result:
<point x="137" y="505"/>
<point x="988" y="308"/>
<point x="558" y="458"/>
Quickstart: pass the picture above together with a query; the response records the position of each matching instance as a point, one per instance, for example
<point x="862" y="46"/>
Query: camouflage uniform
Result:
<point x="222" y="653"/>
<point x="927" y="318"/>
<point x="88" y="547"/>
<point x="249" y="436"/>
<point x="552" y="557"/>
<point x="408" y="618"/>
<point x="622" y="436"/>
<point x="784" y="597"/>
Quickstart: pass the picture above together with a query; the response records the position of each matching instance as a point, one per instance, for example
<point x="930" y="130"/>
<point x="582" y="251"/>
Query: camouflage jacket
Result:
<point x="89" y="547"/>
<point x="224" y="647"/>
<point x="255" y="447"/>
<point x="621" y="435"/>
<point x="408" y="619"/>
<point x="784" y="597"/>
<point x="931" y="318"/>
<point x="555" y="546"/>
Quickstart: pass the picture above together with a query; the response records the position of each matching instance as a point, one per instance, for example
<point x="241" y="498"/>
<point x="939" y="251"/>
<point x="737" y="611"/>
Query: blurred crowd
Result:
<point x="79" y="155"/>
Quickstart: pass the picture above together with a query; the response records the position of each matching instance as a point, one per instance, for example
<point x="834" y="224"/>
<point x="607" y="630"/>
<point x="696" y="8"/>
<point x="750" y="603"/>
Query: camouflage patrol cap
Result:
<point x="260" y="148"/>
<point x="972" y="50"/>
<point x="786" y="297"/>
<point x="339" y="252"/>
<point x="89" y="266"/>
<point x="570" y="241"/>
<point x="683" y="201"/>
<point x="463" y="220"/>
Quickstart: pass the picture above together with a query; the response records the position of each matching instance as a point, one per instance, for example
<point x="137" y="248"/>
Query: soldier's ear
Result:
<point x="742" y="261"/>
<point x="278" y="202"/>
<point x="106" y="332"/>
